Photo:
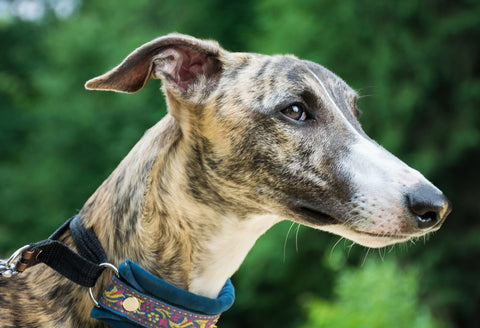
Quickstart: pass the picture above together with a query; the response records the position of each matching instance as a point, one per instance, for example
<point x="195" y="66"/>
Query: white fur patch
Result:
<point x="226" y="251"/>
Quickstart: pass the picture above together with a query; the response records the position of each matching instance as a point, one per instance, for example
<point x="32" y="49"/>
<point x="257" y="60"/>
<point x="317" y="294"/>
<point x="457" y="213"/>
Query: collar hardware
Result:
<point x="134" y="297"/>
<point x="148" y="311"/>
<point x="139" y="297"/>
<point x="14" y="264"/>
<point x="106" y="265"/>
<point x="131" y="304"/>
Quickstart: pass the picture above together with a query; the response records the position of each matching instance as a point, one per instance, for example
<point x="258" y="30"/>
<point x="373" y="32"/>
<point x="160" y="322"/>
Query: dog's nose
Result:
<point x="429" y="205"/>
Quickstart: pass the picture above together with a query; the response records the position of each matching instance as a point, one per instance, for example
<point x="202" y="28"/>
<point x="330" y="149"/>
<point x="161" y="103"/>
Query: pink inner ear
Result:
<point x="193" y="64"/>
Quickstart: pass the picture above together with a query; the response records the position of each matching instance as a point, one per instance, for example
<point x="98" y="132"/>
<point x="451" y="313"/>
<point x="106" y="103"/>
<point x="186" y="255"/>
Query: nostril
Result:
<point x="429" y="206"/>
<point x="426" y="220"/>
<point x="425" y="213"/>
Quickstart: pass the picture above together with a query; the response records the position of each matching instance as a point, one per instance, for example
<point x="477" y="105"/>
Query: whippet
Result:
<point x="249" y="140"/>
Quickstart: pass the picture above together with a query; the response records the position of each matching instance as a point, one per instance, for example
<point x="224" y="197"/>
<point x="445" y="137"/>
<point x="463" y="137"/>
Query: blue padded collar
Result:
<point x="145" y="282"/>
<point x="139" y="281"/>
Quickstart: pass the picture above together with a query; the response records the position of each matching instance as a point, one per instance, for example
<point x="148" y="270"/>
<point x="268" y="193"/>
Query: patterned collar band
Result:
<point x="139" y="299"/>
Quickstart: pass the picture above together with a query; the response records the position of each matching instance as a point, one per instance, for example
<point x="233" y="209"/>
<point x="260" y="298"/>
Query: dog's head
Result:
<point x="279" y="135"/>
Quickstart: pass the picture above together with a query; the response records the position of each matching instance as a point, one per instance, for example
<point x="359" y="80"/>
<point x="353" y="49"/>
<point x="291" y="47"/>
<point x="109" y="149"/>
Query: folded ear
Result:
<point x="179" y="60"/>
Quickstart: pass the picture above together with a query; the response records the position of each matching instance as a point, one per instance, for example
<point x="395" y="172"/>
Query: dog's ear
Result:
<point x="179" y="60"/>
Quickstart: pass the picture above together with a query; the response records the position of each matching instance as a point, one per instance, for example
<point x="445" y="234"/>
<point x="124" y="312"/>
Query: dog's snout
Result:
<point x="429" y="205"/>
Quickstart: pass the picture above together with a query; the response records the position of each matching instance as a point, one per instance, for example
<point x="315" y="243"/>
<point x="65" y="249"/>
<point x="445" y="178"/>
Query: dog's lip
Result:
<point x="315" y="216"/>
<point x="382" y="235"/>
<point x="397" y="237"/>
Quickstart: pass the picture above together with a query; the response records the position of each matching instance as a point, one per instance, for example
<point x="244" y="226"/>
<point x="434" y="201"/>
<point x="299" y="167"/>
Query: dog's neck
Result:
<point x="147" y="211"/>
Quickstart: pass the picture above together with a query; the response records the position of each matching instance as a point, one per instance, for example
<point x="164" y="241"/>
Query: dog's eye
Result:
<point x="295" y="112"/>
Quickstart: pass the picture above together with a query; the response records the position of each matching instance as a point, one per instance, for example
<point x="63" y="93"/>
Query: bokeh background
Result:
<point x="415" y="63"/>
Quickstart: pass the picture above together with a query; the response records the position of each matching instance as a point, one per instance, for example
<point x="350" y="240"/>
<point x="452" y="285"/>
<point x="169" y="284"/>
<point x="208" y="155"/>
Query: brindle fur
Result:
<point x="191" y="198"/>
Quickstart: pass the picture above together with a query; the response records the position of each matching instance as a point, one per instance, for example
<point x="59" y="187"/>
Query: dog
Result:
<point x="249" y="140"/>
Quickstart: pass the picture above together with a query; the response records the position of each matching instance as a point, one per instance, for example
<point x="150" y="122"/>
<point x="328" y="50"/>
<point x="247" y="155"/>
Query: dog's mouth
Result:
<point x="315" y="217"/>
<point x="370" y="232"/>
<point x="319" y="219"/>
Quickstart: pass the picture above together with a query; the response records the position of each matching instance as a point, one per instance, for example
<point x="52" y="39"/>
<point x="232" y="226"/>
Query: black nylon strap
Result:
<point x="82" y="269"/>
<point x="60" y="231"/>
<point x="66" y="262"/>
<point x="86" y="241"/>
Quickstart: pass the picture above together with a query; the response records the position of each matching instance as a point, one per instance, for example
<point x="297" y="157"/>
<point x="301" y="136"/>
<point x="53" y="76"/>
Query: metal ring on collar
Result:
<point x="8" y="268"/>
<point x="114" y="269"/>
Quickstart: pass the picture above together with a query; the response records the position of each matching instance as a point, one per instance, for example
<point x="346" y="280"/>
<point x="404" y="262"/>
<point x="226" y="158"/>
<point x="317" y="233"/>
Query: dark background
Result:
<point x="415" y="63"/>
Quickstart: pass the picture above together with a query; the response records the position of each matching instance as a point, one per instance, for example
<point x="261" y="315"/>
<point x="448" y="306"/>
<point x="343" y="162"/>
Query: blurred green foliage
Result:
<point x="416" y="63"/>
<point x="364" y="301"/>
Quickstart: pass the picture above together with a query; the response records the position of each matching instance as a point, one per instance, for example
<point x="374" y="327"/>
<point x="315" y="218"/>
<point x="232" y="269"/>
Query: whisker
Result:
<point x="365" y="257"/>
<point x="335" y="245"/>
<point x="350" y="248"/>
<point x="285" y="242"/>
<point x="296" y="238"/>
<point x="381" y="252"/>
<point x="391" y="248"/>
